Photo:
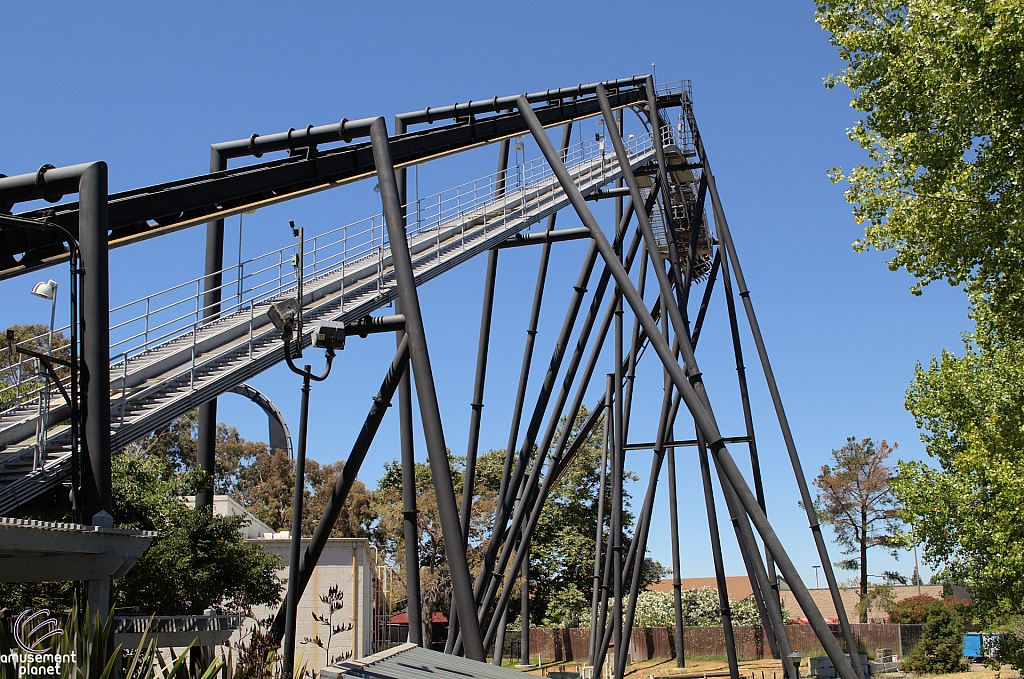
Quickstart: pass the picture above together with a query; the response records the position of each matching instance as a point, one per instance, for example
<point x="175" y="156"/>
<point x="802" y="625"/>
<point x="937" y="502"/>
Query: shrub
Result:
<point x="941" y="648"/>
<point x="912" y="610"/>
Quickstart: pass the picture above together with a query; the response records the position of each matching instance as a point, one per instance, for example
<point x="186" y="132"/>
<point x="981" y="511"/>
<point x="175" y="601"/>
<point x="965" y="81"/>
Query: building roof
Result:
<point x="409" y="661"/>
<point x="738" y="586"/>
<point x="40" y="551"/>
<point x="403" y="618"/>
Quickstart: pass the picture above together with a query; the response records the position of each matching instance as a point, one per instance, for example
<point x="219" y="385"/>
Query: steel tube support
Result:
<point x="206" y="440"/>
<point x="349" y="473"/>
<point x="643" y="529"/>
<point x="673" y="512"/>
<point x="410" y="520"/>
<point x="706" y="299"/>
<point x="505" y="494"/>
<point x="478" y="391"/>
<point x="722" y="226"/>
<point x="558" y="461"/>
<point x="486" y="312"/>
<point x="693" y="402"/>
<point x="524" y="604"/>
<point x="454" y="640"/>
<point x="599" y="537"/>
<point x="462" y="588"/>
<point x="95" y="337"/>
<point x="634" y="346"/>
<point x="292" y="602"/>
<point x="768" y="608"/>
<point x="748" y="417"/>
<point x="410" y="515"/>
<point x="521" y="239"/>
<point x="716" y="551"/>
<point x="554" y="365"/>
<point x="618" y="469"/>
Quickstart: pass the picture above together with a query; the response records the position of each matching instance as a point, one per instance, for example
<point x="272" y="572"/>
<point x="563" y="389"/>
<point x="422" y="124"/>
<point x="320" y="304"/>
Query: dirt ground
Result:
<point x="757" y="669"/>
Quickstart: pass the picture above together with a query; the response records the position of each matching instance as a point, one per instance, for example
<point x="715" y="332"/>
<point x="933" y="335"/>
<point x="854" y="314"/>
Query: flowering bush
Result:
<point x="700" y="609"/>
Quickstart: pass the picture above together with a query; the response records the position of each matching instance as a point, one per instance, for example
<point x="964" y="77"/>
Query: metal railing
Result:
<point x="175" y="316"/>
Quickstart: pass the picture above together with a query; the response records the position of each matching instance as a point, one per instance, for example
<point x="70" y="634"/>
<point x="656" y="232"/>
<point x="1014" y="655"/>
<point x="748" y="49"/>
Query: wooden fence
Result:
<point x="570" y="645"/>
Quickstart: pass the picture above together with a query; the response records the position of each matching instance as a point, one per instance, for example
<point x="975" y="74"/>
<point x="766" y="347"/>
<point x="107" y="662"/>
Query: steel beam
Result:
<point x="410" y="515"/>
<point x="462" y="588"/>
<point x="91" y="226"/>
<point x="643" y="528"/>
<point x="150" y="211"/>
<point x="599" y="537"/>
<point x="716" y="552"/>
<point x="694" y="403"/>
<point x="748" y="417"/>
<point x="206" y="439"/>
<point x="722" y="226"/>
<point x="293" y="595"/>
<point x="523" y="508"/>
<point x="519" y="239"/>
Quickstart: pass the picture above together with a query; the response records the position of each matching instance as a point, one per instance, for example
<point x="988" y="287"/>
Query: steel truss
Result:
<point x="661" y="232"/>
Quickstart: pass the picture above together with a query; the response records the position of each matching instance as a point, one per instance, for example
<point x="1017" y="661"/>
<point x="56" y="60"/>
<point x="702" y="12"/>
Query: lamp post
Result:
<point x="330" y="336"/>
<point x="44" y="290"/>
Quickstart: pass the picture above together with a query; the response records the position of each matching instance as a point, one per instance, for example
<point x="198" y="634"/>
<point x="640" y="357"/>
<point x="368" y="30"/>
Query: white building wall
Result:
<point x="347" y="563"/>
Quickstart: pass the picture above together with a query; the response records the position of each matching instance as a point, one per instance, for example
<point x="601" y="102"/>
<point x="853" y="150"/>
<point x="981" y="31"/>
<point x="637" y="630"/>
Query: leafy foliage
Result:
<point x="912" y="610"/>
<point x="967" y="514"/>
<point x="942" y="88"/>
<point x="941" y="647"/>
<point x="855" y="499"/>
<point x="265" y="482"/>
<point x="200" y="560"/>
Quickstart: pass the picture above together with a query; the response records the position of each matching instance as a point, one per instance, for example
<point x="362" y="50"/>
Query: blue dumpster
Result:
<point x="978" y="645"/>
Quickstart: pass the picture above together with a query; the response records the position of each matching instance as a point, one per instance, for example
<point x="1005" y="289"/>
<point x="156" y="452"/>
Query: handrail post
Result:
<point x="124" y="384"/>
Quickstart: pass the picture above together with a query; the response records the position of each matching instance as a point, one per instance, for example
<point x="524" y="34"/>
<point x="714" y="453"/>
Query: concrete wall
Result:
<point x="347" y="563"/>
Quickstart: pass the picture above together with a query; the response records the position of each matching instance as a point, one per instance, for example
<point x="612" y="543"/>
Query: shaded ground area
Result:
<point x="755" y="669"/>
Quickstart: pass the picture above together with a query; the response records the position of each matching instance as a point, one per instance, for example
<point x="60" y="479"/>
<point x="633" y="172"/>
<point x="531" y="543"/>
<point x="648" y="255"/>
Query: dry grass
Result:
<point x="759" y="669"/>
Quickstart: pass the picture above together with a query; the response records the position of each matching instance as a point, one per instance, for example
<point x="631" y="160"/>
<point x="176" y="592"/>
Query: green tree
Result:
<point x="941" y="648"/>
<point x="388" y="534"/>
<point x="940" y="85"/>
<point x="262" y="480"/>
<point x="854" y="498"/>
<point x="967" y="513"/>
<point x="199" y="560"/>
<point x="562" y="548"/>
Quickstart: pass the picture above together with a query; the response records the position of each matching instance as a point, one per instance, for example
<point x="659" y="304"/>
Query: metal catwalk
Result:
<point x="133" y="369"/>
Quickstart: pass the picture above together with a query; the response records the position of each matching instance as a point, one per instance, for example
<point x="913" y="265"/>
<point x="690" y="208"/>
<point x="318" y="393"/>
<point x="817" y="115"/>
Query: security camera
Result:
<point x="329" y="335"/>
<point x="283" y="314"/>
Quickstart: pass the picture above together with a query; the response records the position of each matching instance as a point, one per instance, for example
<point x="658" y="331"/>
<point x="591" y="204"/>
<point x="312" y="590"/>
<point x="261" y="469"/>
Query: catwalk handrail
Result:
<point x="152" y="321"/>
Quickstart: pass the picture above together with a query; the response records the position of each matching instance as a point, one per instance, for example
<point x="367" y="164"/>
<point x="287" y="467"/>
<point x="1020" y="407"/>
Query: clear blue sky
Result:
<point x="148" y="87"/>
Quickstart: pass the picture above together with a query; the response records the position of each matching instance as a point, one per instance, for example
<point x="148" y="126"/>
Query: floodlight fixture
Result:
<point x="283" y="314"/>
<point x="329" y="335"/>
<point x="45" y="289"/>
